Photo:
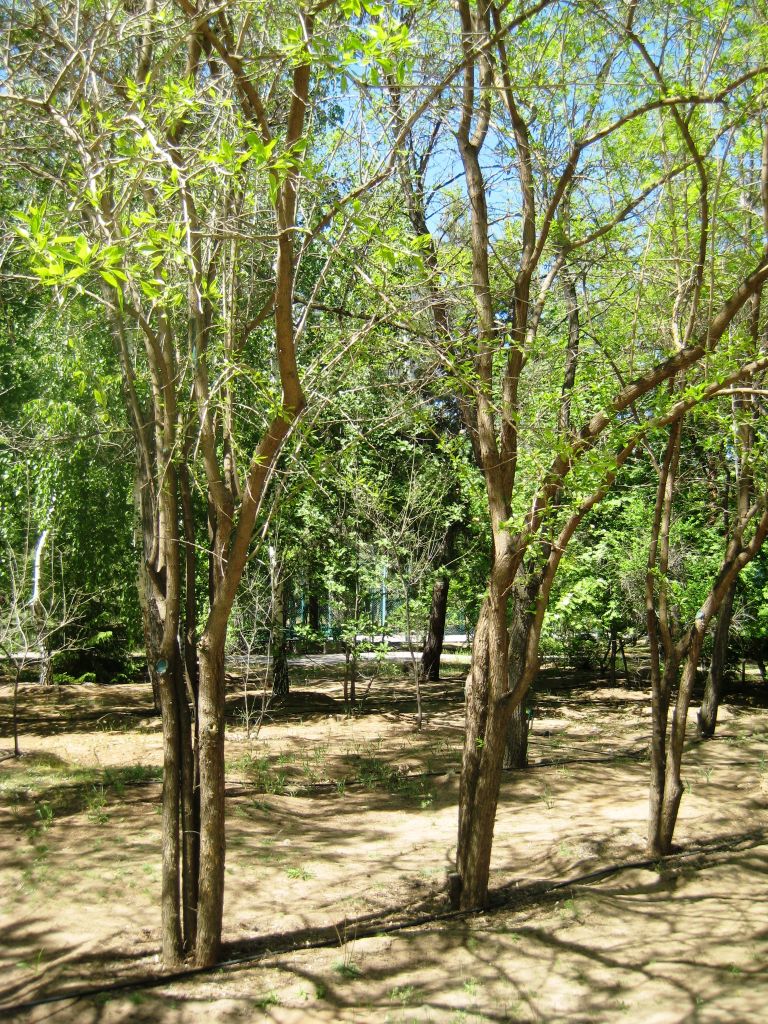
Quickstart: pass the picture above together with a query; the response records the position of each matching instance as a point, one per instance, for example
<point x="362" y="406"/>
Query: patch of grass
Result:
<point x="117" y="779"/>
<point x="95" y="804"/>
<point x="402" y="994"/>
<point x="32" y="965"/>
<point x="300" y="873"/>
<point x="262" y="776"/>
<point x="313" y="764"/>
<point x="347" y="969"/>
<point x="44" y="815"/>
<point x="569" y="907"/>
<point x="375" y="774"/>
<point x="471" y="988"/>
<point x="58" y="788"/>
<point x="265" y="1001"/>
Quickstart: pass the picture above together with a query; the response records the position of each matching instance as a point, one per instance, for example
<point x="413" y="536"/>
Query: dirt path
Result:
<point x="331" y="819"/>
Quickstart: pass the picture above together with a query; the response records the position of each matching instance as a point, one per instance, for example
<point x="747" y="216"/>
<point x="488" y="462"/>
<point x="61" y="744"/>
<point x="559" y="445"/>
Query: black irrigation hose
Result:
<point x="337" y="934"/>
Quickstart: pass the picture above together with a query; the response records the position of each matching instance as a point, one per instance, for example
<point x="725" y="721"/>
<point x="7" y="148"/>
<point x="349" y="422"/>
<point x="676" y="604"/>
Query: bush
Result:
<point x="101" y="657"/>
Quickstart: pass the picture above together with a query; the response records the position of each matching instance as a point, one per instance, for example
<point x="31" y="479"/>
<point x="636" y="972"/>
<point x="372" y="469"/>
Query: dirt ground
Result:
<point x="340" y="832"/>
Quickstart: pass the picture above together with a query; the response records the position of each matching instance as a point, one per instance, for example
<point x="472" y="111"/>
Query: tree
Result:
<point x="550" y="454"/>
<point x="682" y="647"/>
<point x="38" y="615"/>
<point x="175" y="166"/>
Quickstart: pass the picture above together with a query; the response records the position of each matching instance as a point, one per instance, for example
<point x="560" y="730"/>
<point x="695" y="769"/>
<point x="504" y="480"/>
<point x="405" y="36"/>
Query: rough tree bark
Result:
<point x="521" y="619"/>
<point x="486" y="728"/>
<point x="278" y="646"/>
<point x="713" y="688"/>
<point x="433" y="643"/>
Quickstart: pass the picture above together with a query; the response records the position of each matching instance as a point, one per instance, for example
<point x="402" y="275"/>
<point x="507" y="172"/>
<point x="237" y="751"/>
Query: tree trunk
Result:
<point x="46" y="665"/>
<point x="189" y="806"/>
<point x="15" y="711"/>
<point x="673" y="786"/>
<point x="614" y="653"/>
<point x="433" y="644"/>
<point x="713" y="688"/>
<point x="280" y="677"/>
<point x="172" y="664"/>
<point x="661" y="688"/>
<point x="314" y="613"/>
<point x="171" y="921"/>
<point x="212" y="841"/>
<point x="486" y="728"/>
<point x="516" y="748"/>
<point x="623" y="657"/>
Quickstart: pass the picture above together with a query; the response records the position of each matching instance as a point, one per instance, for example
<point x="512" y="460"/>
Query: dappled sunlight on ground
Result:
<point x="345" y="821"/>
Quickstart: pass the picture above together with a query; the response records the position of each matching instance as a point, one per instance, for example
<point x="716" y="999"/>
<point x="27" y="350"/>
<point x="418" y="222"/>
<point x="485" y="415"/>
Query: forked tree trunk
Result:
<point x="433" y="644"/>
<point x="713" y="688"/>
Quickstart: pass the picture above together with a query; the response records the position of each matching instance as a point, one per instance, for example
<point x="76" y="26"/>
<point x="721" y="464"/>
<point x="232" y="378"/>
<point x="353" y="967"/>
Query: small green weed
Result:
<point x="33" y="965"/>
<point x="95" y="803"/>
<point x="44" y="814"/>
<point x="265" y="1001"/>
<point x="261" y="774"/>
<point x="375" y="774"/>
<point x="402" y="994"/>
<point x="300" y="873"/>
<point x="569" y="907"/>
<point x="347" y="969"/>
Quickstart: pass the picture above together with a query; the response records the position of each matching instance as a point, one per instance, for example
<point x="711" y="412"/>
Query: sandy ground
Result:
<point x="350" y="823"/>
